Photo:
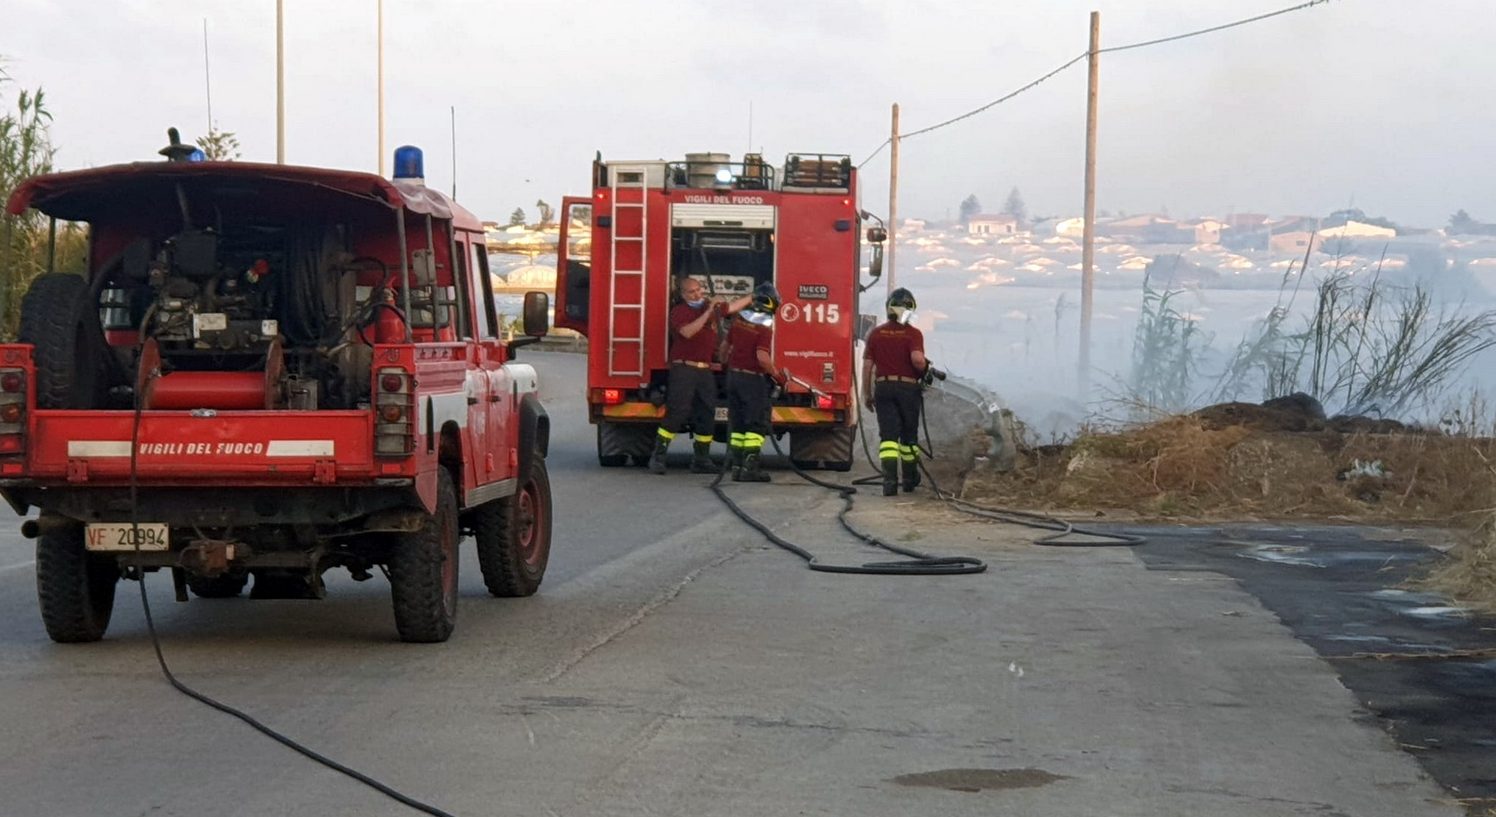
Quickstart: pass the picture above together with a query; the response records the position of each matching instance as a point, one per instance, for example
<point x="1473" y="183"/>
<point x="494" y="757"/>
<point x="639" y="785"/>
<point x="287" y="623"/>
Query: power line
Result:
<point x="1213" y="29"/>
<point x="1083" y="55"/>
<point x="997" y="101"/>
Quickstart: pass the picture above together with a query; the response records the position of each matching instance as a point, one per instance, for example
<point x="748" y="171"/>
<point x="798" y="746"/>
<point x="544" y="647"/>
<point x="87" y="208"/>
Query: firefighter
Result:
<point x="893" y="371"/>
<point x="691" y="391"/>
<point x="750" y="376"/>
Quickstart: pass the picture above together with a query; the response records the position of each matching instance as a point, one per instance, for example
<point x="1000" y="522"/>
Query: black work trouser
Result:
<point x="897" y="407"/>
<point x="747" y="408"/>
<point x="690" y="397"/>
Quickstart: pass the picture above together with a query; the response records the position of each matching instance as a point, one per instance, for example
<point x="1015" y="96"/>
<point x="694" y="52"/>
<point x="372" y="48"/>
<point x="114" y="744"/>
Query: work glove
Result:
<point x="776" y="386"/>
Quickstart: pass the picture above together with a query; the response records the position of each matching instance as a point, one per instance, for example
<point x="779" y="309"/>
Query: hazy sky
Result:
<point x="1386" y="103"/>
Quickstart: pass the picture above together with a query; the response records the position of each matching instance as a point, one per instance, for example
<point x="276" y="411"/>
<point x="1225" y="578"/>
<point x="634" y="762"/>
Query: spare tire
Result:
<point x="60" y="319"/>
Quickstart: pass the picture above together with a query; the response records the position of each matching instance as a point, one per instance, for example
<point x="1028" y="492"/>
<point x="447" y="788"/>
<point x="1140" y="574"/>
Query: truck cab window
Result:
<point x="488" y="321"/>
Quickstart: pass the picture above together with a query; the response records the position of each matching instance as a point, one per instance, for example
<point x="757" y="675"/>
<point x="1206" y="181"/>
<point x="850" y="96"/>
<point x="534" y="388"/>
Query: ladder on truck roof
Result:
<point x="627" y="284"/>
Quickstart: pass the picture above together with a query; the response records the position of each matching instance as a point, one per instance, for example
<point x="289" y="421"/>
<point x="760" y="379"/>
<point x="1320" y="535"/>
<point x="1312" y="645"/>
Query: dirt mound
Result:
<point x="1201" y="466"/>
<point x="1256" y="417"/>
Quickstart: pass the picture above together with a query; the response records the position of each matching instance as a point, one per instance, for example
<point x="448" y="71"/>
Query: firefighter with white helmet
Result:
<point x="748" y="355"/>
<point x="894" y="369"/>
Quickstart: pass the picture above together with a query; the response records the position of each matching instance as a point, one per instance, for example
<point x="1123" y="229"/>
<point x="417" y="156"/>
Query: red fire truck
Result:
<point x="732" y="225"/>
<point x="269" y="371"/>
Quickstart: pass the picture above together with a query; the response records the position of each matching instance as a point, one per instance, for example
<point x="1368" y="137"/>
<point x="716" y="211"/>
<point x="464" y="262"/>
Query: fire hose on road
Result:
<point x="918" y="563"/>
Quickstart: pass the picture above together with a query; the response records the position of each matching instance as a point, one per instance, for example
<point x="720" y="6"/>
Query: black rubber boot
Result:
<point x="751" y="471"/>
<point x="911" y="475"/>
<point x="657" y="459"/>
<point x="890" y="477"/>
<point x="734" y="460"/>
<point x="701" y="460"/>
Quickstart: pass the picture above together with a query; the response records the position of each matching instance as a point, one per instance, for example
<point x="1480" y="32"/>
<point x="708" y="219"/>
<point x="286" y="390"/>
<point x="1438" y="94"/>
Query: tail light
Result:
<point x="394" y="410"/>
<point x="608" y="397"/>
<point x="12" y="411"/>
<point x="824" y="401"/>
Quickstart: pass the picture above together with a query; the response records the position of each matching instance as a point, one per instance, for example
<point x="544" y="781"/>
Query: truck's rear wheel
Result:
<point x="617" y="442"/>
<point x="226" y="586"/>
<point x="830" y="449"/>
<point x="74" y="587"/>
<point x="60" y="321"/>
<point x="513" y="536"/>
<point x="423" y="571"/>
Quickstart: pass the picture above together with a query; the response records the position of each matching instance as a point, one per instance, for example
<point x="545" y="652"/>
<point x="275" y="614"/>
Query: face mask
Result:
<point x="696" y="304"/>
<point x="906" y="316"/>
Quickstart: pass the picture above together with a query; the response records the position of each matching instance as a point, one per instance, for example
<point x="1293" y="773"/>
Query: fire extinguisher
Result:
<point x="389" y="325"/>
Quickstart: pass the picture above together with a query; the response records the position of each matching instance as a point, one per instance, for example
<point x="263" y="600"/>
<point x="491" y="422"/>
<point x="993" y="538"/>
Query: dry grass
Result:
<point x="1469" y="575"/>
<point x="1182" y="466"/>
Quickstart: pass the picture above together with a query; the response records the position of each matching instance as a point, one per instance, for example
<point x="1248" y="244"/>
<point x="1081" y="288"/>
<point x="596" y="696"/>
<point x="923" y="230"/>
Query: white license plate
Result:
<point x="721" y="414"/>
<point x="121" y="536"/>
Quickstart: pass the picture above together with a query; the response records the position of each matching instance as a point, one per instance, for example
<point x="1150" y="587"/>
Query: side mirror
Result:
<point x="875" y="264"/>
<point x="537" y="314"/>
<point x="876" y="235"/>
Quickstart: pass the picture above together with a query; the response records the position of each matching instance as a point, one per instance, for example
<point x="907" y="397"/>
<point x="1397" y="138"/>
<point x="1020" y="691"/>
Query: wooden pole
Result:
<point x="280" y="82"/>
<point x="1088" y="235"/>
<point x="893" y="199"/>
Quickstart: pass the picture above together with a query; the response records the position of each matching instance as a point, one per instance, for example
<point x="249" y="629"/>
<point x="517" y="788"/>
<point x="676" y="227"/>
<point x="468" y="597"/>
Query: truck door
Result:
<point x="494" y="463"/>
<point x="574" y="264"/>
<point x="479" y="386"/>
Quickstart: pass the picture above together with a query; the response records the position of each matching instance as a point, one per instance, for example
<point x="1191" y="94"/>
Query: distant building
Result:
<point x="913" y="225"/>
<point x="998" y="224"/>
<point x="1204" y="231"/>
<point x="1295" y="241"/>
<point x="1247" y="222"/>
<point x="1064" y="228"/>
<point x="1357" y="229"/>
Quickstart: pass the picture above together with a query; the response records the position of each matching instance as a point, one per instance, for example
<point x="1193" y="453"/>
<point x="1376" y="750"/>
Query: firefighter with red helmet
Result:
<point x="691" y="390"/>
<point x="748" y="354"/>
<point x="894" y="370"/>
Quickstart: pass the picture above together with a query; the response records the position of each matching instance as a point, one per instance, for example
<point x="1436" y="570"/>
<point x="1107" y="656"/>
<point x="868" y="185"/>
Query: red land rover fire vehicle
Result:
<point x="732" y="225"/>
<point x="268" y="371"/>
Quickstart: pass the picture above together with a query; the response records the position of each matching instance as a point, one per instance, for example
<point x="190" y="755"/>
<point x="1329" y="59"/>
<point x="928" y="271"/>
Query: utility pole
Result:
<point x="454" y="153"/>
<point x="207" y="77"/>
<point x="280" y="82"/>
<point x="380" y="71"/>
<point x="893" y="197"/>
<point x="1088" y="235"/>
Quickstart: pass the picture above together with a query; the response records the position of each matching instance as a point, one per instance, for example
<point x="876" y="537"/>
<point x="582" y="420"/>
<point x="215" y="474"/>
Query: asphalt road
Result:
<point x="673" y="664"/>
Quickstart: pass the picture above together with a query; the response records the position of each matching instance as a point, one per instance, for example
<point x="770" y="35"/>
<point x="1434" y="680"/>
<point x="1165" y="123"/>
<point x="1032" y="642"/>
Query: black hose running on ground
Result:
<point x="150" y="625"/>
<point x="917" y="564"/>
<point x="1062" y="530"/>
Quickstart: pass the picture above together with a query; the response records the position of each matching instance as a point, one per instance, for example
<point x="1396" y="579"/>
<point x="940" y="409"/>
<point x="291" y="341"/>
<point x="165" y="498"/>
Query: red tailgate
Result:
<point x="179" y="448"/>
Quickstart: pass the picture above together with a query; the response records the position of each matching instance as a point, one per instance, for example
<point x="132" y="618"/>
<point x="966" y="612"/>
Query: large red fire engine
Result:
<point x="731" y="225"/>
<point x="270" y="371"/>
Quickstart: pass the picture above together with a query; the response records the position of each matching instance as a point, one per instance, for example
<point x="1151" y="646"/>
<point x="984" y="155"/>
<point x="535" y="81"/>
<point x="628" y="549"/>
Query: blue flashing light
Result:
<point x="197" y="155"/>
<point x="724" y="176"/>
<point x="409" y="163"/>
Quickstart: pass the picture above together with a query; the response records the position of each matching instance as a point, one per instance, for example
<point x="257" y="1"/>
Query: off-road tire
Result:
<point x="607" y="454"/>
<point x="225" y="586"/>
<point x="513" y="536"/>
<point x="423" y="571"/>
<point x="620" y="443"/>
<point x="74" y="588"/>
<point x="71" y="357"/>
